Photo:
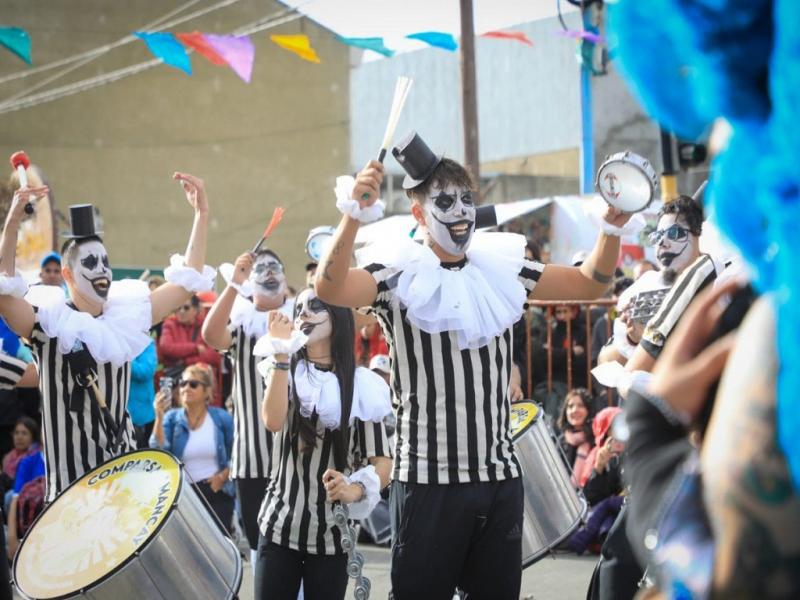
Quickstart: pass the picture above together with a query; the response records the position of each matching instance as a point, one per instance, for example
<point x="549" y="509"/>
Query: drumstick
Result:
<point x="277" y="215"/>
<point x="698" y="195"/>
<point x="401" y="90"/>
<point x="20" y="162"/>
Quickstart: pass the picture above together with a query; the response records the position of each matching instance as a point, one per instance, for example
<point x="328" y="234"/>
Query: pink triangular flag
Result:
<point x="508" y="35"/>
<point x="238" y="52"/>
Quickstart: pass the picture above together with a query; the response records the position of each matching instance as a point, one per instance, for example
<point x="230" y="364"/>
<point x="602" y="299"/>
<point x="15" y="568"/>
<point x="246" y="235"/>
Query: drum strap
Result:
<point x="83" y="369"/>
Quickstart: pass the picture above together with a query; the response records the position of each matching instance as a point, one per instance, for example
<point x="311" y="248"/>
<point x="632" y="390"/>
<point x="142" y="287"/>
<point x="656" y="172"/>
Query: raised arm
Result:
<point x="336" y="283"/>
<point x="592" y="278"/>
<point x="169" y="296"/>
<point x="215" y="327"/>
<point x="276" y="397"/>
<point x="16" y="311"/>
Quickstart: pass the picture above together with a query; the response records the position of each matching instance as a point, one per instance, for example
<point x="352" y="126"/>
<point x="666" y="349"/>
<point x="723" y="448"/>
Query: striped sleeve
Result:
<point x="373" y="440"/>
<point x="11" y="371"/>
<point x="689" y="284"/>
<point x="529" y="274"/>
<point x="386" y="280"/>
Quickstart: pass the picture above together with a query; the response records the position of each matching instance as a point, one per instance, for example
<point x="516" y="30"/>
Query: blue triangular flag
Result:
<point x="372" y="43"/>
<point x="16" y="40"/>
<point x="436" y="38"/>
<point x="166" y="47"/>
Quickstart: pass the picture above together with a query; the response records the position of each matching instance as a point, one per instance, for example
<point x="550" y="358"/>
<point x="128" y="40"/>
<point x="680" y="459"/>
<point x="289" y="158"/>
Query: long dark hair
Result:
<point x="586" y="398"/>
<point x="344" y="367"/>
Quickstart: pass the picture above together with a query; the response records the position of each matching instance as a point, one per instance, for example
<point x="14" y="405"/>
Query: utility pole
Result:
<point x="669" y="180"/>
<point x="469" y="96"/>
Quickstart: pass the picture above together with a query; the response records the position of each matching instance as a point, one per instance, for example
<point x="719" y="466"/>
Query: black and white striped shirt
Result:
<point x="76" y="442"/>
<point x="11" y="371"/>
<point x="252" y="441"/>
<point x="295" y="513"/>
<point x="694" y="279"/>
<point x="453" y="410"/>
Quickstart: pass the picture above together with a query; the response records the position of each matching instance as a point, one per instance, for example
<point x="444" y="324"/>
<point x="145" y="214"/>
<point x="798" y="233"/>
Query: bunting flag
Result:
<point x="508" y="35"/>
<point x="17" y="41"/>
<point x="299" y="44"/>
<point x="589" y="36"/>
<point x="166" y="47"/>
<point x="237" y="51"/>
<point x="436" y="39"/>
<point x="373" y="43"/>
<point x="197" y="42"/>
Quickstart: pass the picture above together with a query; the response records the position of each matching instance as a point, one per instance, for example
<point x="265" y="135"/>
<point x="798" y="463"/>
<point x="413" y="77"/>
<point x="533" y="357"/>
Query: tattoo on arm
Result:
<point x="601" y="278"/>
<point x="329" y="263"/>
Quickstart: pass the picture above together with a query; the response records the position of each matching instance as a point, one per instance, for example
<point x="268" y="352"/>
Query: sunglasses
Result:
<point x="445" y="202"/>
<point x="192" y="383"/>
<point x="674" y="232"/>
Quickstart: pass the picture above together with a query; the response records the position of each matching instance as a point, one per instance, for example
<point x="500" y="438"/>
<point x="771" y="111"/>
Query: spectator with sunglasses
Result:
<point x="201" y="436"/>
<point x="182" y="345"/>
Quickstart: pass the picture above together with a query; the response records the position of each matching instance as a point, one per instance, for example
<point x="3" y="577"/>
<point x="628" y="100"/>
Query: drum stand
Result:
<point x="355" y="560"/>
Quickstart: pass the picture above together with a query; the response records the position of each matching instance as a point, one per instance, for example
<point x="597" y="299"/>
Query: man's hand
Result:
<point x="368" y="184"/>
<point x="337" y="488"/>
<point x="195" y="191"/>
<point x="634" y="329"/>
<point x="616" y="217"/>
<point x="279" y="325"/>
<point x="21" y="198"/>
<point x="242" y="268"/>
<point x="685" y="370"/>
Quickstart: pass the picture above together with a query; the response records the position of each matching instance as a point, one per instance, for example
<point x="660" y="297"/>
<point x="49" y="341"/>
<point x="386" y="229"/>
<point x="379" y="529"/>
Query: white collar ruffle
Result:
<point x="478" y="301"/>
<point x="318" y="391"/>
<point x="255" y="322"/>
<point x="117" y="336"/>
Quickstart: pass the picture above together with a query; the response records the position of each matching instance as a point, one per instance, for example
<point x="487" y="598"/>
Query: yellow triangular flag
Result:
<point x="298" y="44"/>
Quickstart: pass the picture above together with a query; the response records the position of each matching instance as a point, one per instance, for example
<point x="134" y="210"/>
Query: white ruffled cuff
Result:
<point x="372" y="483"/>
<point x="13" y="286"/>
<point x="245" y="288"/>
<point x="595" y="210"/>
<point x="269" y="346"/>
<point x="348" y="206"/>
<point x="189" y="279"/>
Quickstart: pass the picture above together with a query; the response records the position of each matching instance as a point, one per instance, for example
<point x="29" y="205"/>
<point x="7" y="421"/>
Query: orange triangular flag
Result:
<point x="299" y="44"/>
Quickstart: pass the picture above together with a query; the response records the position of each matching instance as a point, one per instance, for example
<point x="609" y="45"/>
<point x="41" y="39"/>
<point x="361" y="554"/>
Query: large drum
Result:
<point x="132" y="528"/>
<point x="553" y="508"/>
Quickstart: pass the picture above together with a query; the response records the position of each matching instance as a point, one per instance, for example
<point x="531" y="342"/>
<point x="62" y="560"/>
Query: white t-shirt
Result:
<point x="200" y="455"/>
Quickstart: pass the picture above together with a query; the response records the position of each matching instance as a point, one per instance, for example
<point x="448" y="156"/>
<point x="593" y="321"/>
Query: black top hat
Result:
<point x="81" y="219"/>
<point x="416" y="159"/>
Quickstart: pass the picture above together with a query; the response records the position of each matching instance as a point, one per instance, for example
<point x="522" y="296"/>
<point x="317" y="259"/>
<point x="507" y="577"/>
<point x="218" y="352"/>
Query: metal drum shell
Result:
<point x="552" y="507"/>
<point x="641" y="164"/>
<point x="186" y="556"/>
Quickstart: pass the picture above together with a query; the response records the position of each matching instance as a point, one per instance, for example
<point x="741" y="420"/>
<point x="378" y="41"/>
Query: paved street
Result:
<point x="563" y="578"/>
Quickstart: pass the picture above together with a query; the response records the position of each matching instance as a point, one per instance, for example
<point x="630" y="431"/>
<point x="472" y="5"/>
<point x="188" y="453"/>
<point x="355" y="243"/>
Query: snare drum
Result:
<point x="627" y="181"/>
<point x="132" y="528"/>
<point x="553" y="508"/>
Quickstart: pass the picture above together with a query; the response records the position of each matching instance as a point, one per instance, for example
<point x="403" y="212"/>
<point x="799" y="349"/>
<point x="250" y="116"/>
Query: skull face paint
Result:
<point x="91" y="272"/>
<point x="268" y="278"/>
<point x="674" y="243"/>
<point x="312" y="317"/>
<point x="450" y="217"/>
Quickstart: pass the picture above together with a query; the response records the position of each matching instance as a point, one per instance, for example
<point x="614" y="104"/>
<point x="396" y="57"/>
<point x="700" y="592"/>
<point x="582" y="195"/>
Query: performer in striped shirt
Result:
<point x="85" y="343"/>
<point x="256" y="285"/>
<point x="447" y="307"/>
<point x="331" y="446"/>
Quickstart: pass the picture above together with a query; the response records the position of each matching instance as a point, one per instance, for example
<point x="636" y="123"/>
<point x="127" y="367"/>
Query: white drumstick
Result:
<point x="401" y="89"/>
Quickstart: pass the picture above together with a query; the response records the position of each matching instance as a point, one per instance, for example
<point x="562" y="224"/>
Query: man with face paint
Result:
<point x="447" y="307"/>
<point x="239" y="317"/>
<point x="86" y="342"/>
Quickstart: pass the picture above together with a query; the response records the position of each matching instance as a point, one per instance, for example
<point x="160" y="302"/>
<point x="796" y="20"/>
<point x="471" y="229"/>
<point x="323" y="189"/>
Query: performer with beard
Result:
<point x="256" y="285"/>
<point x="85" y="343"/>
<point x="330" y="446"/>
<point x="447" y="308"/>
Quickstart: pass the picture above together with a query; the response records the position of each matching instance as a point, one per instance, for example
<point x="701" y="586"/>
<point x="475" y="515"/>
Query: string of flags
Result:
<point x="238" y="52"/>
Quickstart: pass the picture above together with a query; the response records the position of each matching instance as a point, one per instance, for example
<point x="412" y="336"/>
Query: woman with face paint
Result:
<point x="447" y="307"/>
<point x="256" y="285"/>
<point x="330" y="446"/>
<point x="85" y="343"/>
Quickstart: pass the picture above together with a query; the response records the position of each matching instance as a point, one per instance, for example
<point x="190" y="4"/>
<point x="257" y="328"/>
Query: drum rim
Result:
<point x="572" y="529"/>
<point x="539" y="411"/>
<point x="133" y="555"/>
<point x="620" y="157"/>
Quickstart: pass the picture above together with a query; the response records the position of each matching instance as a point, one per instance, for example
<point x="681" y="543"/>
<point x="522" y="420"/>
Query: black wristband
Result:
<point x="281" y="366"/>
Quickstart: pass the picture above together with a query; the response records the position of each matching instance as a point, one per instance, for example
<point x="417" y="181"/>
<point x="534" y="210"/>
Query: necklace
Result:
<point x="198" y="421"/>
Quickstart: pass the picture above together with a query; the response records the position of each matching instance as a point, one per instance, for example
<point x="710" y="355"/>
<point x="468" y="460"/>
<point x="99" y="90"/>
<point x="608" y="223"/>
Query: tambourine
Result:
<point x="317" y="241"/>
<point x="627" y="181"/>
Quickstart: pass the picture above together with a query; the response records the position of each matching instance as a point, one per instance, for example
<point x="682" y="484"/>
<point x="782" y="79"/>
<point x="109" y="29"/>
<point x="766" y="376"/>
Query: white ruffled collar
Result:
<point x="318" y="391"/>
<point x="254" y="322"/>
<point x="117" y="336"/>
<point x="478" y="301"/>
